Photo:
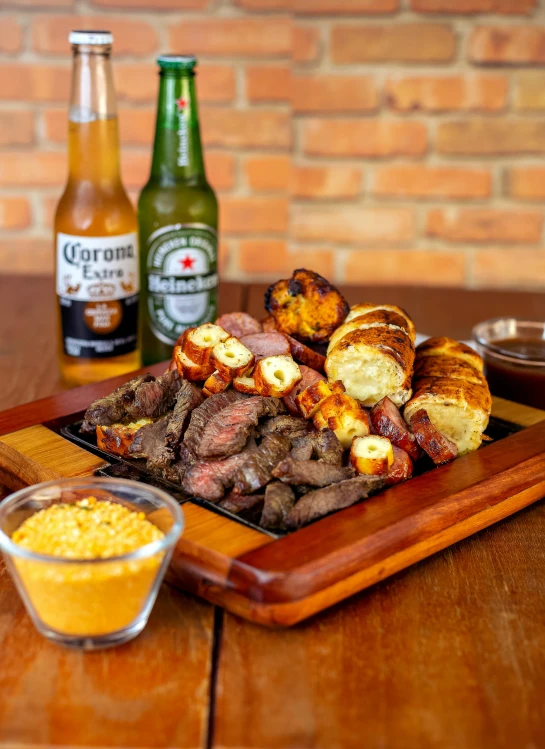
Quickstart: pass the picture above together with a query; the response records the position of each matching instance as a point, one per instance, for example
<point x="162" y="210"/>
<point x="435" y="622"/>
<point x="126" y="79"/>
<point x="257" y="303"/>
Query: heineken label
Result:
<point x="97" y="288"/>
<point x="182" y="279"/>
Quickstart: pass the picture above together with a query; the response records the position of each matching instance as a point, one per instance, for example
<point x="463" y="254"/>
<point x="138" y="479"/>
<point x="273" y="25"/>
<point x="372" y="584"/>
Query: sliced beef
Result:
<point x="203" y="414"/>
<point x="155" y="397"/>
<point x="302" y="447"/>
<point x="112" y="409"/>
<point x="321" y="502"/>
<point x="388" y="422"/>
<point x="266" y="344"/>
<point x="311" y="472"/>
<point x="257" y="470"/>
<point x="308" y="377"/>
<point x="227" y="432"/>
<point x="209" y="479"/>
<point x="279" y="501"/>
<point x="149" y="440"/>
<point x="327" y="448"/>
<point x="436" y="445"/>
<point x="246" y="505"/>
<point x="239" y="324"/>
<point x="288" y="426"/>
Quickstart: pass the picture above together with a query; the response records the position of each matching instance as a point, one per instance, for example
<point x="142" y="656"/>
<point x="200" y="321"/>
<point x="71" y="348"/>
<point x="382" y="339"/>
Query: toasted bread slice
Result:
<point x="232" y="358"/>
<point x="371" y="455"/>
<point x="245" y="384"/>
<point x="444" y="346"/>
<point x="344" y="416"/>
<point x="216" y="383"/>
<point x="276" y="375"/>
<point x="117" y="438"/>
<point x="199" y="342"/>
<point x="310" y="400"/>
<point x="374" y="319"/>
<point x="362" y="309"/>
<point x="189" y="369"/>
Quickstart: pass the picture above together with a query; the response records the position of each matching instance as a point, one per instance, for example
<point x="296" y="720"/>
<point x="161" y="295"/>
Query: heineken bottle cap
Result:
<point x="177" y="62"/>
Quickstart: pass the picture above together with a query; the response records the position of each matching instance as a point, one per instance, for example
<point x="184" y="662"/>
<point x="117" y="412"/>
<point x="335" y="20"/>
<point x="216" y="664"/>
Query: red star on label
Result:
<point x="181" y="103"/>
<point x="187" y="262"/>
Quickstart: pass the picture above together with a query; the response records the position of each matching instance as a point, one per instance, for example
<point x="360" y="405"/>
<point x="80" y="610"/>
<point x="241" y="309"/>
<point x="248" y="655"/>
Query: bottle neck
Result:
<point x="93" y="139"/>
<point x="177" y="151"/>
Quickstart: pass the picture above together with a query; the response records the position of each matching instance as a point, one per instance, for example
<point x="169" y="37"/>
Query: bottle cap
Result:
<point x="90" y="37"/>
<point x="177" y="62"/>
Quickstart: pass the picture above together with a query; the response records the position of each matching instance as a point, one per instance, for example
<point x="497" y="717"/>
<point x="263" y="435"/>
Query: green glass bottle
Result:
<point x="178" y="219"/>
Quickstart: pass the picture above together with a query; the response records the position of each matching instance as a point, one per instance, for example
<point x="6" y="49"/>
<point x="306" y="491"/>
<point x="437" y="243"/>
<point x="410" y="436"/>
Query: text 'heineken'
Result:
<point x="178" y="217"/>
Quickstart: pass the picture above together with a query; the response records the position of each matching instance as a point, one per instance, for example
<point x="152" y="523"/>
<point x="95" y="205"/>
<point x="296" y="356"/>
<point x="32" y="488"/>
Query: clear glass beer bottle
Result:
<point x="96" y="239"/>
<point x="178" y="219"/>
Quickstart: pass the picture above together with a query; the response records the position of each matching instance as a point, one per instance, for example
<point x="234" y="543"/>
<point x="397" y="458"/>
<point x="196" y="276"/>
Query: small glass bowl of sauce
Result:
<point x="514" y="358"/>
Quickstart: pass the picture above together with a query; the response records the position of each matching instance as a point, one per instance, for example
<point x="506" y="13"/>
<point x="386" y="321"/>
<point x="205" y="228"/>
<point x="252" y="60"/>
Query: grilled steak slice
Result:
<point x="302" y="447"/>
<point x="189" y="397"/>
<point x="311" y="472"/>
<point x="286" y="425"/>
<point x="201" y="417"/>
<point x="327" y="448"/>
<point x="279" y="501"/>
<point x="155" y="397"/>
<point x="257" y="470"/>
<point x="247" y="505"/>
<point x="112" y="409"/>
<point x="227" y="432"/>
<point x="321" y="502"/>
<point x="149" y="439"/>
<point x="209" y="479"/>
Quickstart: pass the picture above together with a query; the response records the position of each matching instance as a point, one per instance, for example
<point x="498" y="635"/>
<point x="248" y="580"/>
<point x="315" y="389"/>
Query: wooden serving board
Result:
<point x="280" y="581"/>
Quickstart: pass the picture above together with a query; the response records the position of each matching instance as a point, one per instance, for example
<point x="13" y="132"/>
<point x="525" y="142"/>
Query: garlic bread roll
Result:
<point x="449" y="385"/>
<point x="373" y="319"/>
<point x="373" y="363"/>
<point x="362" y="309"/>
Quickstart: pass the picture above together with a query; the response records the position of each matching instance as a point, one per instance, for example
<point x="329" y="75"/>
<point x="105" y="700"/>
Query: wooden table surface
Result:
<point x="449" y="653"/>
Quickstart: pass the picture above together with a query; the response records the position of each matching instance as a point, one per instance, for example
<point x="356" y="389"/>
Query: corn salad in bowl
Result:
<point x="88" y="555"/>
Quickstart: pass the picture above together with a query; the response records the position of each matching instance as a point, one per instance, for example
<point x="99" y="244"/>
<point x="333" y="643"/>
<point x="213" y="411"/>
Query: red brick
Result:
<point x="509" y="268"/>
<point x="11" y="35"/>
<point x="33" y="169"/>
<point x="526" y="183"/>
<point x="255" y="128"/>
<point x="338" y="7"/>
<point x="14" y="213"/>
<point x="271" y="258"/>
<point x="306" y="43"/>
<point x="140" y="83"/>
<point x="509" y="7"/>
<point x="357" y="226"/>
<point x="16" y="128"/>
<point x="507" y="44"/>
<point x="136" y="126"/>
<point x="178" y="5"/>
<point x="26" y="256"/>
<point x="50" y="34"/>
<point x="447" y="93"/>
<point x="326" y="182"/>
<point x="405" y="267"/>
<point x="334" y="93"/>
<point x="255" y="214"/>
<point x="402" y="42"/>
<point x="268" y="83"/>
<point x="417" y="181"/>
<point x="220" y="169"/>
<point x="485" y="225"/>
<point x="56" y="125"/>
<point x="530" y="91"/>
<point x="263" y="5"/>
<point x="32" y="4"/>
<point x="369" y="138"/>
<point x="28" y="82"/>
<point x="268" y="173"/>
<point x="490" y="137"/>
<point x="234" y="37"/>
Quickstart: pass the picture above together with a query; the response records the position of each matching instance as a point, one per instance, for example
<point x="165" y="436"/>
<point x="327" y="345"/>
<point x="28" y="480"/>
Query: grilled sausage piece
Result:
<point x="263" y="345"/>
<point x="239" y="324"/>
<point x="388" y="422"/>
<point x="436" y="445"/>
<point x="308" y="377"/>
<point x="401" y="469"/>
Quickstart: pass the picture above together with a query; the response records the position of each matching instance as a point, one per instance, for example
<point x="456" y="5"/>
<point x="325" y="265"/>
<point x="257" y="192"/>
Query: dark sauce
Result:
<point x="517" y="380"/>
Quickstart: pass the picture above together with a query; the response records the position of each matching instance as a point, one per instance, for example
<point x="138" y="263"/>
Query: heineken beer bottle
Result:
<point x="178" y="218"/>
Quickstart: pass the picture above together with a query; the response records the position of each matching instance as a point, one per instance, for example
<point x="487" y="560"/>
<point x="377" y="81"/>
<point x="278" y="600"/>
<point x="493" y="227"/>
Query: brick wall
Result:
<point x="373" y="140"/>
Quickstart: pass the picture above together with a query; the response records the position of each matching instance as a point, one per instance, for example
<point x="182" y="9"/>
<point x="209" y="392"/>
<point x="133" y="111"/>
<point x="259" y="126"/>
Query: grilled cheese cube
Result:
<point x="232" y="358"/>
<point x="372" y="455"/>
<point x="117" y="438"/>
<point x="216" y="383"/>
<point x="189" y="369"/>
<point x="276" y="375"/>
<point x="344" y="416"/>
<point x="310" y="400"/>
<point x="199" y="342"/>
<point x="245" y="384"/>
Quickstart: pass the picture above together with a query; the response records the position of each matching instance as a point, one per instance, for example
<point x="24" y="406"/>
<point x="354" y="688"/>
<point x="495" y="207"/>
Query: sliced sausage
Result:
<point x="308" y="377"/>
<point x="388" y="422"/>
<point x="268" y="324"/>
<point x="239" y="324"/>
<point x="306" y="355"/>
<point x="436" y="445"/>
<point x="401" y="469"/>
<point x="266" y="344"/>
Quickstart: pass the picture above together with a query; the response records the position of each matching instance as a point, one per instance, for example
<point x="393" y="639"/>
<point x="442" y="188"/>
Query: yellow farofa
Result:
<point x="87" y="599"/>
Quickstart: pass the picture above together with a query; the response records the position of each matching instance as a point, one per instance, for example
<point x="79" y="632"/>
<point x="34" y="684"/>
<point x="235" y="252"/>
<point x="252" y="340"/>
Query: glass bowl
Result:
<point x="516" y="374"/>
<point x="90" y="603"/>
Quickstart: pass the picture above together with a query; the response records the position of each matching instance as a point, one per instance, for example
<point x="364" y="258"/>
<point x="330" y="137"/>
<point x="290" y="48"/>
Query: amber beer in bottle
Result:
<point x="178" y="219"/>
<point x="96" y="240"/>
